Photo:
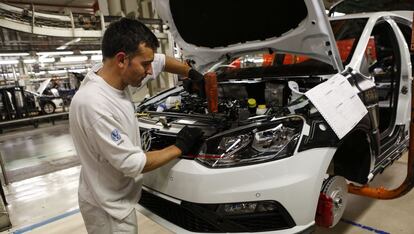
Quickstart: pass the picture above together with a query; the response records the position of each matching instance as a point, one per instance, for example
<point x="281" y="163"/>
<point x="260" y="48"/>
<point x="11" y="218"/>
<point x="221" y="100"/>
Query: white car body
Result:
<point x="294" y="182"/>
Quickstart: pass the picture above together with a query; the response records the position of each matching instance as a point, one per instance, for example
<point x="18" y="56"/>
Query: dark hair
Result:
<point x="125" y="35"/>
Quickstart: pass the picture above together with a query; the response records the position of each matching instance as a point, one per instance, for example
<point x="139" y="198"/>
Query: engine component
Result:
<point x="232" y="91"/>
<point x="211" y="91"/>
<point x="261" y="110"/>
<point x="173" y="101"/>
<point x="251" y="103"/>
<point x="274" y="94"/>
<point x="294" y="89"/>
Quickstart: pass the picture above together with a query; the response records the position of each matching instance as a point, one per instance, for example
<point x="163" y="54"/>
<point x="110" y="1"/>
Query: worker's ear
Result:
<point x="120" y="59"/>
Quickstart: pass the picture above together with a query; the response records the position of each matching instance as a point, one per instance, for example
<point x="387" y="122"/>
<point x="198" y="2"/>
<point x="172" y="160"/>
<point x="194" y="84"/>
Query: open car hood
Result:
<point x="43" y="86"/>
<point x="209" y="30"/>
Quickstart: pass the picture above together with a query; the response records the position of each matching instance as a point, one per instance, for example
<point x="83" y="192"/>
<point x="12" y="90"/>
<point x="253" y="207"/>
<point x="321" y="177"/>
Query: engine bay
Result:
<point x="239" y="101"/>
<point x="246" y="105"/>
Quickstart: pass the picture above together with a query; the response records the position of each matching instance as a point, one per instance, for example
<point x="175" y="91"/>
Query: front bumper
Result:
<point x="183" y="194"/>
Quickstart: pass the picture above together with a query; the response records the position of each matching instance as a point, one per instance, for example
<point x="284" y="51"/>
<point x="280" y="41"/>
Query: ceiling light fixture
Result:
<point x="13" y="54"/>
<point x="29" y="61"/>
<point x="46" y="60"/>
<point x="41" y="60"/>
<point x="97" y="57"/>
<point x="64" y="46"/>
<point x="57" y="72"/>
<point x="91" y="52"/>
<point x="74" y="59"/>
<point x="78" y="70"/>
<point x="55" y="53"/>
<point x="8" y="62"/>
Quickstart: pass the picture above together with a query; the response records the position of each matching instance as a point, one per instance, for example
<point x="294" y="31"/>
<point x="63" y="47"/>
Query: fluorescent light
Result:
<point x="78" y="70"/>
<point x="9" y="74"/>
<point x="57" y="72"/>
<point x="74" y="59"/>
<point x="7" y="62"/>
<point x="37" y="73"/>
<point x="14" y="54"/>
<point x="55" y="53"/>
<point x="41" y="60"/>
<point x="28" y="61"/>
<point x="46" y="60"/>
<point x="96" y="57"/>
<point x="91" y="52"/>
<point x="64" y="46"/>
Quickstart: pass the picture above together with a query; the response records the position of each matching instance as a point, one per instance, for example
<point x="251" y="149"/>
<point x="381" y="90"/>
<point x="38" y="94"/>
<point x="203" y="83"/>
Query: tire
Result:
<point x="48" y="108"/>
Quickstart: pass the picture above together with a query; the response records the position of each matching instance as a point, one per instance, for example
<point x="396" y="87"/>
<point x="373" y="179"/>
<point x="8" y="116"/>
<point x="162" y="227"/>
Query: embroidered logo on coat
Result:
<point x="115" y="135"/>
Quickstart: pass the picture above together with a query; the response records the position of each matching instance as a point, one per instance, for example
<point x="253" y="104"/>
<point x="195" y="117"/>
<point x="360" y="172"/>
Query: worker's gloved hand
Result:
<point x="187" y="138"/>
<point x="188" y="85"/>
<point x="195" y="75"/>
<point x="195" y="83"/>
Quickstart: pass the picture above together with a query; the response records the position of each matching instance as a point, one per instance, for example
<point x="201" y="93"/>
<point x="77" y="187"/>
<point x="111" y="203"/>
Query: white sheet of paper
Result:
<point x="338" y="103"/>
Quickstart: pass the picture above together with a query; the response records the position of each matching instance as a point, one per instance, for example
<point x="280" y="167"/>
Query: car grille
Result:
<point x="202" y="218"/>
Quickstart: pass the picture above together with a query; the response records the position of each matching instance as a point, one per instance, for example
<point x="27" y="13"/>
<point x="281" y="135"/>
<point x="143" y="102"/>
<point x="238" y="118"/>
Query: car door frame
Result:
<point x="395" y="141"/>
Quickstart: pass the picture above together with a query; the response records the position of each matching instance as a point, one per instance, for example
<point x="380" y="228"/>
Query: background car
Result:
<point x="47" y="99"/>
<point x="47" y="103"/>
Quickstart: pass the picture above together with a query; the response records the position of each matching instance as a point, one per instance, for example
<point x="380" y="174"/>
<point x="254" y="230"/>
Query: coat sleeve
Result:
<point x="113" y="145"/>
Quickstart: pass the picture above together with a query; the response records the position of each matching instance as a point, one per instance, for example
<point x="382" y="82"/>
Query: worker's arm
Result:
<point x="158" y="158"/>
<point x="174" y="66"/>
<point x="112" y="144"/>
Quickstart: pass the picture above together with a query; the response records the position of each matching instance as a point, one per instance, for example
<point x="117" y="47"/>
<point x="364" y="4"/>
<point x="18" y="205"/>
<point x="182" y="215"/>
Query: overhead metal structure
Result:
<point x="70" y="25"/>
<point x="49" y="24"/>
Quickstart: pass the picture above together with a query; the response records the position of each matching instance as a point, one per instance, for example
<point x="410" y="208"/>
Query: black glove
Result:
<point x="187" y="138"/>
<point x="195" y="75"/>
<point x="195" y="83"/>
<point x="188" y="85"/>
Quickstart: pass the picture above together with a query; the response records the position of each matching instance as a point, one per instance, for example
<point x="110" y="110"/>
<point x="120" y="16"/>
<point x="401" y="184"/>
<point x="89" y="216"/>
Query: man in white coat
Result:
<point x="105" y="130"/>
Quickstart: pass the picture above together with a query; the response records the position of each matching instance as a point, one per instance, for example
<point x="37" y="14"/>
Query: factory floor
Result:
<point x="47" y="203"/>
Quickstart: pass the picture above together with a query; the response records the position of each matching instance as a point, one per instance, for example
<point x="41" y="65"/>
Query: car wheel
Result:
<point x="332" y="201"/>
<point x="48" y="108"/>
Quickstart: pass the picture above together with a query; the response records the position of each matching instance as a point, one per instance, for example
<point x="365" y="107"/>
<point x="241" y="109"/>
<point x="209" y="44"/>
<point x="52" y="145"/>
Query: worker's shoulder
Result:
<point x="91" y="97"/>
<point x="86" y="93"/>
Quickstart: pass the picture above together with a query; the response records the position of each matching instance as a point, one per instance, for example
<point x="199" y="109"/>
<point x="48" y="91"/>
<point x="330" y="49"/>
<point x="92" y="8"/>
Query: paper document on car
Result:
<point x="339" y="104"/>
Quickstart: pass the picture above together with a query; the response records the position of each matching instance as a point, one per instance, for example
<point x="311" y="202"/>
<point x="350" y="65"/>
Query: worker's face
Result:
<point x="138" y="66"/>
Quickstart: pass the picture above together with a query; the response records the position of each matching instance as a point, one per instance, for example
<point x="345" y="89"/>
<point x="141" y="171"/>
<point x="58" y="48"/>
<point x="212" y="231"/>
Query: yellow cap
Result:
<point x="261" y="106"/>
<point x="251" y="102"/>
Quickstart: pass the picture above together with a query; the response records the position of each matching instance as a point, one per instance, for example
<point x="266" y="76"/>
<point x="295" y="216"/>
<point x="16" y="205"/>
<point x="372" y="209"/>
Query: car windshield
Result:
<point x="358" y="6"/>
<point x="264" y="64"/>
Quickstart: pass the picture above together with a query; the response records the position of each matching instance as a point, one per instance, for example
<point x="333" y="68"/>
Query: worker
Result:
<point x="105" y="131"/>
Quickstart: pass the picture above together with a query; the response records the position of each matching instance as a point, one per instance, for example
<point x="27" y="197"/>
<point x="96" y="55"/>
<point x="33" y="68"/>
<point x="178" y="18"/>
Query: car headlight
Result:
<point x="252" y="144"/>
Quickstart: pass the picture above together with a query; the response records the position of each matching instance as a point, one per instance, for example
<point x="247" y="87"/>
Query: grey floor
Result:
<point x="27" y="152"/>
<point x="48" y="203"/>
